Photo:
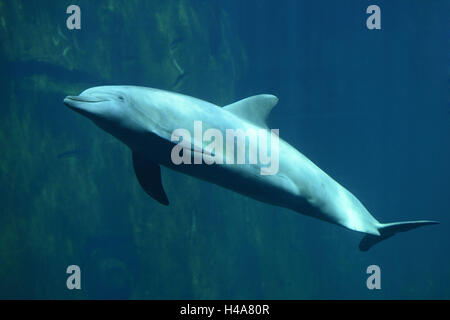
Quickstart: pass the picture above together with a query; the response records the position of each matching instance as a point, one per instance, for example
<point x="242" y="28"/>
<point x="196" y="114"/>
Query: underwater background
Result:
<point x="369" y="107"/>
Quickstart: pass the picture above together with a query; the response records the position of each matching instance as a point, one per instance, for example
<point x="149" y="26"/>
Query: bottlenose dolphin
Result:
<point x="145" y="119"/>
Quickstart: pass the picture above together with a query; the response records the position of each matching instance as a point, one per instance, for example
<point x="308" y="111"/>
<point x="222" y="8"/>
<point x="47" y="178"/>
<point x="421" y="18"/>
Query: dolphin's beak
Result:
<point x="80" y="102"/>
<point x="86" y="98"/>
<point x="84" y="104"/>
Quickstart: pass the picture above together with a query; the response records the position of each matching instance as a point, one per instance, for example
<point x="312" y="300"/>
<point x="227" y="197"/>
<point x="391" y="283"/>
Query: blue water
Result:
<point x="369" y="107"/>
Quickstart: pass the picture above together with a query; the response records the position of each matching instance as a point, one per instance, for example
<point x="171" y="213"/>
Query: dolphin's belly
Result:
<point x="298" y="185"/>
<point x="281" y="189"/>
<point x="273" y="190"/>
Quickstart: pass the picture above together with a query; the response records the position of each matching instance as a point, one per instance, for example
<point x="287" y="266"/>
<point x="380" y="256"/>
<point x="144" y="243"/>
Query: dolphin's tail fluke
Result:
<point x="387" y="230"/>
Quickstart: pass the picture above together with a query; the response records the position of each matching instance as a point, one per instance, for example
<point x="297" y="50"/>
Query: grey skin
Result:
<point x="144" y="119"/>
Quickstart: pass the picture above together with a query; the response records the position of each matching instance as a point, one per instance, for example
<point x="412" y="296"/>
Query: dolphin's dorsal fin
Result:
<point x="148" y="174"/>
<point x="255" y="109"/>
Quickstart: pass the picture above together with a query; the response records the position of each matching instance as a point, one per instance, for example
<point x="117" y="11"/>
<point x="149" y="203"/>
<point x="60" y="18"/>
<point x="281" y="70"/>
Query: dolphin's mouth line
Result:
<point x="89" y="99"/>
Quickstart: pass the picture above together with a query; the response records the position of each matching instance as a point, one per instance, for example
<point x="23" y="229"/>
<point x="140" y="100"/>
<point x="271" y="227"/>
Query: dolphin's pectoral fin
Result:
<point x="255" y="109"/>
<point x="148" y="174"/>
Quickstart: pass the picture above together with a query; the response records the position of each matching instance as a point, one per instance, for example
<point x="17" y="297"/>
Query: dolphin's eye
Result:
<point x="121" y="98"/>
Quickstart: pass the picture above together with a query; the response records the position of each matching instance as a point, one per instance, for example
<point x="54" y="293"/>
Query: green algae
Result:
<point x="51" y="206"/>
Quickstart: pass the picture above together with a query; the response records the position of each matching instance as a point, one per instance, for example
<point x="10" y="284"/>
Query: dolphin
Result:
<point x="145" y="119"/>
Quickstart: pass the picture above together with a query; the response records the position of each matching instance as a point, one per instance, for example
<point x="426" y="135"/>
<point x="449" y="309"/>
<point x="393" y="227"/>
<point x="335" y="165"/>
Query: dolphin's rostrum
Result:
<point x="144" y="119"/>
